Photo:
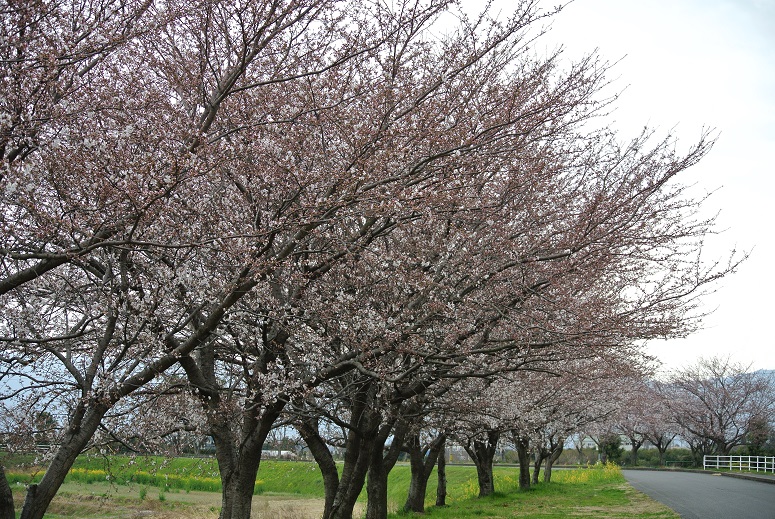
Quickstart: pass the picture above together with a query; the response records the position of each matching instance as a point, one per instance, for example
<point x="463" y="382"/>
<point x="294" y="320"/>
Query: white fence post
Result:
<point x="750" y="463"/>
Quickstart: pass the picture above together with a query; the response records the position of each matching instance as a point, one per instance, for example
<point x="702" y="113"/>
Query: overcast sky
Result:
<point x="688" y="65"/>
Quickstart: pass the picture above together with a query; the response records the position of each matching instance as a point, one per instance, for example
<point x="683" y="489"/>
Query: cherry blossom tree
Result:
<point x="369" y="414"/>
<point x="596" y="396"/>
<point x="659" y="426"/>
<point x="284" y="198"/>
<point x="477" y="430"/>
<point x="380" y="188"/>
<point x="194" y="104"/>
<point x="759" y="436"/>
<point x="398" y="371"/>
<point x="112" y="165"/>
<point x="62" y="137"/>
<point x="58" y="73"/>
<point x="635" y="416"/>
<point x="541" y="409"/>
<point x="447" y="157"/>
<point x="716" y="401"/>
<point x="558" y="329"/>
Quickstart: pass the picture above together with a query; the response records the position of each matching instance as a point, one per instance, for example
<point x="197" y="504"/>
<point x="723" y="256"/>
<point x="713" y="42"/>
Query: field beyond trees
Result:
<point x="170" y="488"/>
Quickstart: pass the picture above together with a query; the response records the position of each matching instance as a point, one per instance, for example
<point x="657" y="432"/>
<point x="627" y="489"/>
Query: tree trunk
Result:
<point x="422" y="462"/>
<point x="556" y="453"/>
<point x="76" y="438"/>
<point x="636" y="442"/>
<point x="700" y="448"/>
<point x="356" y="464"/>
<point x="541" y="453"/>
<point x="661" y="442"/>
<point x="634" y="455"/>
<point x="376" y="488"/>
<point x="482" y="453"/>
<point x="381" y="465"/>
<point x="415" y="500"/>
<point x="238" y="439"/>
<point x="441" y="487"/>
<point x="376" y="485"/>
<point x="696" y="455"/>
<point x="485" y="477"/>
<point x="7" y="509"/>
<point x="310" y="433"/>
<point x="237" y="493"/>
<point x="537" y="462"/>
<point x="362" y="435"/>
<point x="523" y="453"/>
<point x="239" y="458"/>
<point x="698" y="452"/>
<point x="580" y="450"/>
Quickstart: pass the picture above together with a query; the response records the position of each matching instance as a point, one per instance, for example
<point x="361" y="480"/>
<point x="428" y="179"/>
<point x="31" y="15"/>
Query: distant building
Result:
<point x="278" y="455"/>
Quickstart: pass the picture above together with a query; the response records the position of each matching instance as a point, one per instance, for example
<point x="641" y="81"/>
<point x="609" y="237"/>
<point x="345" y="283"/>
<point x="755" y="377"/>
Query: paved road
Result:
<point x="704" y="496"/>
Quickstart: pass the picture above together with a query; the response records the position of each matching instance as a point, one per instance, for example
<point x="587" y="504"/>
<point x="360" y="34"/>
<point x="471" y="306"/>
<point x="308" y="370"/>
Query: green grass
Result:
<point x="188" y="474"/>
<point x="596" y="492"/>
<point x="167" y="473"/>
<point x="592" y="492"/>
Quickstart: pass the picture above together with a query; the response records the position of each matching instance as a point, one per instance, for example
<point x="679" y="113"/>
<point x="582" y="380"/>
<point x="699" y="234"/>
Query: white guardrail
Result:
<point x="750" y="463"/>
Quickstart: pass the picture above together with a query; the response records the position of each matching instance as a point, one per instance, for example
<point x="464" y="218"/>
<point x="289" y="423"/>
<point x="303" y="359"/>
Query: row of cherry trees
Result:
<point x="325" y="212"/>
<point x="713" y="406"/>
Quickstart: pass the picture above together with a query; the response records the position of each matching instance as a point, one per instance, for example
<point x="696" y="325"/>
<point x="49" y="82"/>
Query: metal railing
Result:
<point x="749" y="463"/>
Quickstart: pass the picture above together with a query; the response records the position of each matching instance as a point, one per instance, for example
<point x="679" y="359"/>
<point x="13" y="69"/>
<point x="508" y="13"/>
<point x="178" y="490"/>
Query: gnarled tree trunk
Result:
<point x="636" y="443"/>
<point x="363" y="431"/>
<point x="482" y="452"/>
<point x="556" y="452"/>
<point x="540" y="456"/>
<point x="356" y="465"/>
<point x="7" y="510"/>
<point x="523" y="453"/>
<point x="238" y="437"/>
<point x="422" y="461"/>
<point x="310" y="433"/>
<point x="661" y="442"/>
<point x="381" y="465"/>
<point x="239" y="458"/>
<point x="441" y="487"/>
<point x="75" y="440"/>
<point x="662" y="453"/>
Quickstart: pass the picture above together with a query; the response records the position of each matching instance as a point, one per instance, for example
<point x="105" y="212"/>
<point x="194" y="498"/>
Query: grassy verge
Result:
<point x="186" y="474"/>
<point x="173" y="488"/>
<point x="598" y="492"/>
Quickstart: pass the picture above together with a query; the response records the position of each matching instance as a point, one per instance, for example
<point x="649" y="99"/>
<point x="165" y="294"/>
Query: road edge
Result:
<point x="741" y="475"/>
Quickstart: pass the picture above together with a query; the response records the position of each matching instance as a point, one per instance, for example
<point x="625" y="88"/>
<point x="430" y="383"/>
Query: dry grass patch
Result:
<point x="105" y="501"/>
<point x="639" y="505"/>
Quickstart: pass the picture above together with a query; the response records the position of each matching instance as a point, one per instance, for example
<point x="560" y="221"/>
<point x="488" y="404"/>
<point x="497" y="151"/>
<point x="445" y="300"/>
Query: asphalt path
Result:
<point x="705" y="496"/>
